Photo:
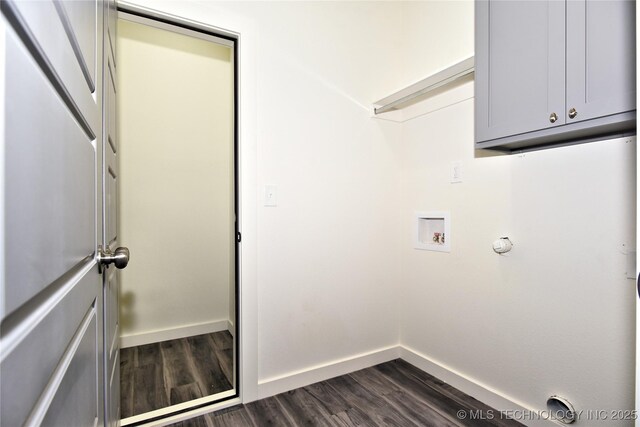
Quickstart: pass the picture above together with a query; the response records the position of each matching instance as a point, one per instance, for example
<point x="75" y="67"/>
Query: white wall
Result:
<point x="436" y="34"/>
<point x="328" y="254"/>
<point x="554" y="316"/>
<point x="336" y="272"/>
<point x="175" y="106"/>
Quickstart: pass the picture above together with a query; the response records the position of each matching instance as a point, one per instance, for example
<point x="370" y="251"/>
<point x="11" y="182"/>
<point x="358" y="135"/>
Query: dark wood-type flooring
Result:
<point x="157" y="375"/>
<point x="391" y="394"/>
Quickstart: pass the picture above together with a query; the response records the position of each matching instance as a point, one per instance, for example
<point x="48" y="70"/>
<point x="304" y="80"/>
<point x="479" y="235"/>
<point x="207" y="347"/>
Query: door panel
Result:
<point x="113" y="333"/>
<point x="41" y="224"/>
<point x="111" y="199"/>
<point x="79" y="17"/>
<point x="75" y="401"/>
<point x="519" y="66"/>
<point x="42" y="21"/>
<point x="111" y="102"/>
<point x="110" y="33"/>
<point x="43" y="347"/>
<point x="111" y="165"/>
<point x="51" y="339"/>
<point x="600" y="40"/>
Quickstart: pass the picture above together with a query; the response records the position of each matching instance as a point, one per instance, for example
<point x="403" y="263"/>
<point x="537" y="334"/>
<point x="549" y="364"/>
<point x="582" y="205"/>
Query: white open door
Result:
<point x="109" y="242"/>
<point x="637" y="422"/>
<point x="52" y="330"/>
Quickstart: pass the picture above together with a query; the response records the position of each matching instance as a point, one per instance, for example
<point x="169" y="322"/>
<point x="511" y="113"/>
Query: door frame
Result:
<point x="221" y="25"/>
<point x="637" y="293"/>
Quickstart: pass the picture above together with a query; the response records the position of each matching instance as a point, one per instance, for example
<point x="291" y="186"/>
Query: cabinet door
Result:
<point x="520" y="67"/>
<point x="601" y="65"/>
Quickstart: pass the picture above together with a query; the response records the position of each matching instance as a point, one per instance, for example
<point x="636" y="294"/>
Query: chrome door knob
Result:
<point x="553" y="117"/>
<point x="572" y="113"/>
<point x="119" y="257"/>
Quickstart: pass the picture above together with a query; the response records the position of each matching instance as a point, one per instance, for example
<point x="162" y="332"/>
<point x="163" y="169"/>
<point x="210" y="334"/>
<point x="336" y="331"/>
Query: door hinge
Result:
<point x="238" y="237"/>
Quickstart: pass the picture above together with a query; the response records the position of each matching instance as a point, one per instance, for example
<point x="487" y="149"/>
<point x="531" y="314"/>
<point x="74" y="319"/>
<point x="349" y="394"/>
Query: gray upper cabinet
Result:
<point x="519" y="67"/>
<point x="553" y="72"/>
<point x="600" y="58"/>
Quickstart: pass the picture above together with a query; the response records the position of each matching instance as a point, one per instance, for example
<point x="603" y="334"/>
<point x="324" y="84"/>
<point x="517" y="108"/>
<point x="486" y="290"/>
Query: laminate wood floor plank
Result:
<point x="332" y="401"/>
<point x="433" y="397"/>
<point x="146" y="354"/>
<point x="418" y="412"/>
<point x="222" y="340"/>
<point x="360" y="418"/>
<point x="175" y="366"/>
<point x="269" y="412"/>
<point x="342" y="419"/>
<point x="193" y="422"/>
<point x="456" y="395"/>
<point x="225" y="360"/>
<point x="374" y="381"/>
<point x="127" y="355"/>
<point x="450" y="392"/>
<point x="432" y="381"/>
<point x="427" y="395"/>
<point x="304" y="408"/>
<point x="151" y="394"/>
<point x="236" y="416"/>
<point x="185" y="393"/>
<point x="364" y="403"/>
<point x="153" y="376"/>
<point x="126" y="382"/>
<point x="199" y="351"/>
<point x="390" y="394"/>
<point x="223" y="345"/>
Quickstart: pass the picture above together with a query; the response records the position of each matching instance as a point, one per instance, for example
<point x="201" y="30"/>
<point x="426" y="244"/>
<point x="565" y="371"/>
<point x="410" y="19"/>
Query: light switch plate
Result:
<point x="270" y="195"/>
<point x="456" y="172"/>
<point x="631" y="265"/>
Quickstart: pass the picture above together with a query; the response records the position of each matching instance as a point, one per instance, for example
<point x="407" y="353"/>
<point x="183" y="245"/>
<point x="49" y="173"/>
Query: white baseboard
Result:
<point x="183" y="416"/>
<point x="231" y="328"/>
<point x="272" y="386"/>
<point x="473" y="388"/>
<point x="173" y="333"/>
<point x="495" y="399"/>
<point x="290" y="381"/>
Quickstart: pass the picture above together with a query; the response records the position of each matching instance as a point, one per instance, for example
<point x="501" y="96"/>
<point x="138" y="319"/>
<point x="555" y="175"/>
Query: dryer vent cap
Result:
<point x="561" y="409"/>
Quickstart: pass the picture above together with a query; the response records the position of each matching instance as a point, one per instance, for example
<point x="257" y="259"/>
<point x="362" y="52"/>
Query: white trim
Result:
<point x="185" y="415"/>
<point x="225" y="22"/>
<point x="231" y="328"/>
<point x="470" y="386"/>
<point x="304" y="377"/>
<point x="175" y="29"/>
<point x="160" y="335"/>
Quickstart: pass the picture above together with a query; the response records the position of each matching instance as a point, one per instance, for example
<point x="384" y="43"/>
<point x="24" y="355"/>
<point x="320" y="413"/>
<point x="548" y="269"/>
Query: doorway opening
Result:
<point x="178" y="131"/>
